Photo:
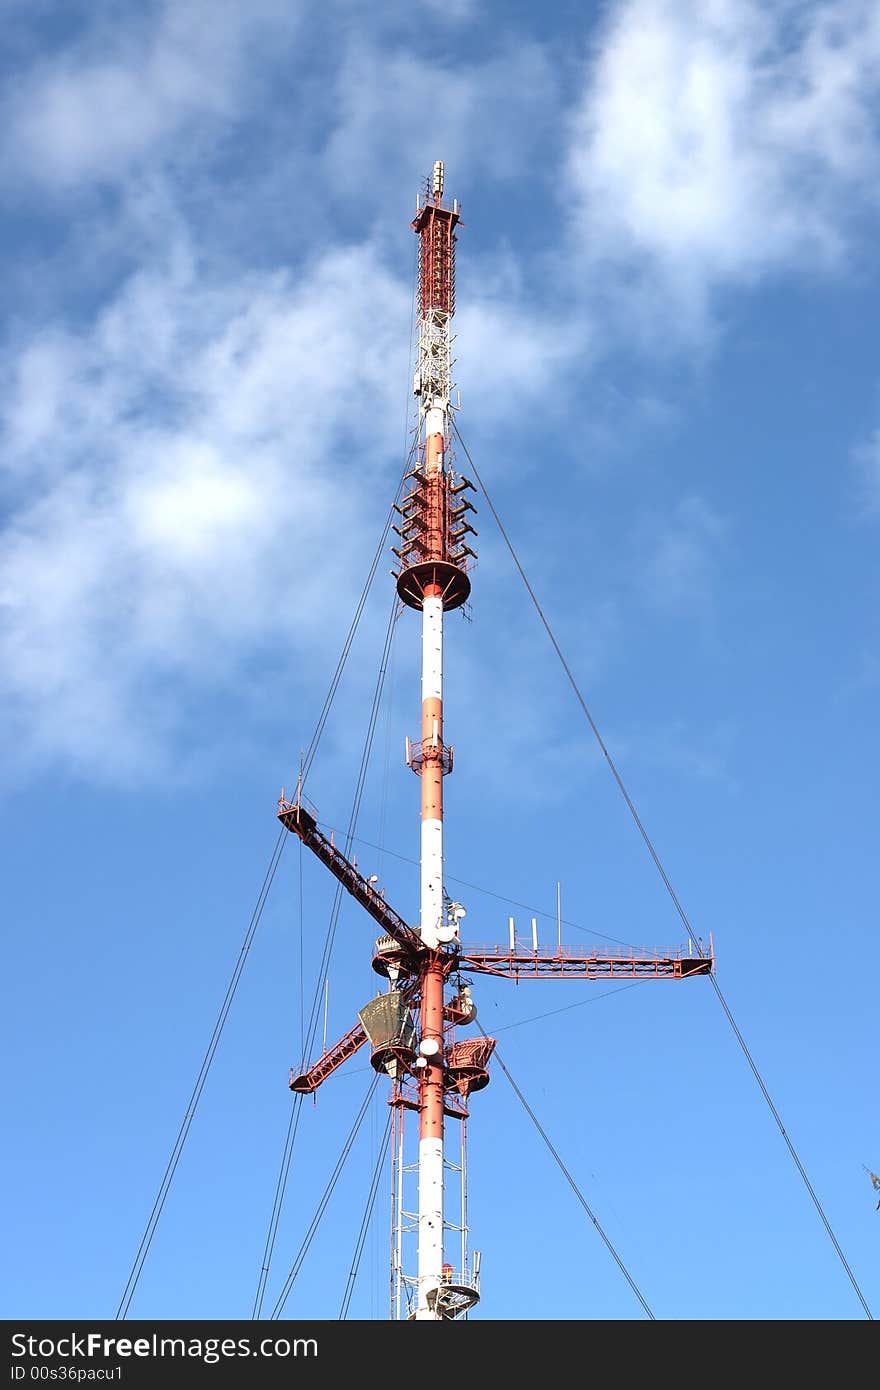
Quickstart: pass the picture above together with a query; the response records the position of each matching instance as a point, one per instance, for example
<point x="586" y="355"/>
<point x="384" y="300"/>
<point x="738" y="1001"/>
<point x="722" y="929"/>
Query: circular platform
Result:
<point x="453" y="583"/>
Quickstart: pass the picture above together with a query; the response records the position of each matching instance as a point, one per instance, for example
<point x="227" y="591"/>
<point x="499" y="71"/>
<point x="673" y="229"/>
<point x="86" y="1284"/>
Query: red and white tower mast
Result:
<point x="433" y="579"/>
<point x="431" y="1073"/>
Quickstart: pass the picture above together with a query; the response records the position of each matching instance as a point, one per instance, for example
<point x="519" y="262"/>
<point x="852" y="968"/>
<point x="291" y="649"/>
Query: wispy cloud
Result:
<point x="178" y="396"/>
<point x="118" y="92"/>
<point x="199" y="448"/>
<point x="176" y="459"/>
<point x="489" y="123"/>
<point x="716" y="144"/>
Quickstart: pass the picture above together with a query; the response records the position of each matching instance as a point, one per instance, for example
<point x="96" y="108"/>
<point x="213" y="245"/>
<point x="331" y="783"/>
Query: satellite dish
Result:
<point x="429" y="1047"/>
<point x="446" y="933"/>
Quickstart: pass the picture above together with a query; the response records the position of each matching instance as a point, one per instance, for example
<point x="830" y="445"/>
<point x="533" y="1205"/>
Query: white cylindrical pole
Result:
<point x="430" y="1251"/>
<point x="432" y="810"/>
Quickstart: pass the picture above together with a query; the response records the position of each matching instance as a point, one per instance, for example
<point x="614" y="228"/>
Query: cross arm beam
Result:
<point x="303" y="823"/>
<point x="310" y="1080"/>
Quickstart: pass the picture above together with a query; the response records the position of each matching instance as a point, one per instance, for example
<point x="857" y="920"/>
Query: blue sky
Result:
<point x="669" y="380"/>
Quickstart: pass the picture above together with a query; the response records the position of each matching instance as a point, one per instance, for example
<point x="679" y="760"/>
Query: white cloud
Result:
<point x="397" y="112"/>
<point x="717" y="143"/>
<point x="510" y="356"/>
<point x="118" y="91"/>
<point x="202" y="450"/>
<point x="195" y="437"/>
<point x="39" y="386"/>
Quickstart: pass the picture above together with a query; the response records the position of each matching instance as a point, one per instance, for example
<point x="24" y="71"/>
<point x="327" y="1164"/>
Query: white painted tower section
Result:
<point x="430" y="1223"/>
<point x="432" y="830"/>
<point x="430" y="1243"/>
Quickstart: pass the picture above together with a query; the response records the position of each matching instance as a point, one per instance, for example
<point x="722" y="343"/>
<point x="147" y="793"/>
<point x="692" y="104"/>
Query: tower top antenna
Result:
<point x="437" y="180"/>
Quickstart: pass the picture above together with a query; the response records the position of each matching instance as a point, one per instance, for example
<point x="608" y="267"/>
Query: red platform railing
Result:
<point x="588" y="962"/>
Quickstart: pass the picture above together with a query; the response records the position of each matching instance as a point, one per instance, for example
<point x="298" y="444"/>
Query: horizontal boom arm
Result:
<point x="586" y="963"/>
